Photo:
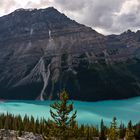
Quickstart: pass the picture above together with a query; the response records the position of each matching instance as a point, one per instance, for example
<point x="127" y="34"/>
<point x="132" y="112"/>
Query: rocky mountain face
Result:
<point x="43" y="51"/>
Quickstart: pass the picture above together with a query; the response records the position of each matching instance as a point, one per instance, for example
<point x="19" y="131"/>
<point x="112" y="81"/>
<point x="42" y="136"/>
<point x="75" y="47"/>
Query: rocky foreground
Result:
<point x="13" y="135"/>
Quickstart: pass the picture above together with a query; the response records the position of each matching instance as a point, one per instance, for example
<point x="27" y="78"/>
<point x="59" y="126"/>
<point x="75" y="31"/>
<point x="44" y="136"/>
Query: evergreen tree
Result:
<point x="61" y="115"/>
<point x="113" y="133"/>
<point x="137" y="133"/>
<point x="102" y="131"/>
<point x="89" y="134"/>
<point x="32" y="125"/>
<point x="122" y="131"/>
<point x="6" y="124"/>
<point x="37" y="126"/>
<point x="130" y="132"/>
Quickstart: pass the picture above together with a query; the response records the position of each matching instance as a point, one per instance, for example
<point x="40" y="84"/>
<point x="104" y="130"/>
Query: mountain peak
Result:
<point x="52" y="8"/>
<point x="22" y="21"/>
<point x="128" y="32"/>
<point x="35" y="9"/>
<point x="22" y="9"/>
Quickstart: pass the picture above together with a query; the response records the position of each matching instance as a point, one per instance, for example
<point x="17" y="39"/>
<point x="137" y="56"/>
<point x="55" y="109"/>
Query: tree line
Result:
<point x="63" y="125"/>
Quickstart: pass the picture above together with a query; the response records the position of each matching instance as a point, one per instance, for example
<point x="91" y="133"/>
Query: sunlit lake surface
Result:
<point x="87" y="112"/>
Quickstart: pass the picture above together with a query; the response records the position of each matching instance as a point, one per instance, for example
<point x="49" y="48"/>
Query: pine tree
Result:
<point x="61" y="115"/>
<point x="89" y="135"/>
<point x="32" y="125"/>
<point x="122" y="131"/>
<point x="6" y="124"/>
<point x="129" y="132"/>
<point x="102" y="131"/>
<point x="26" y="123"/>
<point x="137" y="133"/>
<point x="113" y="134"/>
<point x="82" y="130"/>
<point x="37" y="126"/>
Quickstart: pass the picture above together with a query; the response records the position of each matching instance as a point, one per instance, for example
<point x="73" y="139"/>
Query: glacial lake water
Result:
<point x="87" y="112"/>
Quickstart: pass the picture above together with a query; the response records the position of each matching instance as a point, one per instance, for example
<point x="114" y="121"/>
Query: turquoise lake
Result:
<point x="87" y="112"/>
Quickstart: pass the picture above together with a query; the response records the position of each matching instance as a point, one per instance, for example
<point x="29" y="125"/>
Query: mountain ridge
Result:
<point x="43" y="51"/>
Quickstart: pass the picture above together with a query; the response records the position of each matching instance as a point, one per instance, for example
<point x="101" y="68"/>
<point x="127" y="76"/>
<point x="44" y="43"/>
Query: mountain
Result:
<point x="43" y="51"/>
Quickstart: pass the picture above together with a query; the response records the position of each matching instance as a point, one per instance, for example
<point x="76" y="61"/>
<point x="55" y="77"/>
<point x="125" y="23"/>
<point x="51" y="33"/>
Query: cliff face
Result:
<point x="43" y="51"/>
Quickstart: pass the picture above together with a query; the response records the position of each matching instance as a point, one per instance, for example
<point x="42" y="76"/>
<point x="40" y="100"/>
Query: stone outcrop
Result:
<point x="13" y="135"/>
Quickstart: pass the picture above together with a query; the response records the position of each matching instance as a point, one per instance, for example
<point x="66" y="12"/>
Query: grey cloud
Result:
<point x="99" y="14"/>
<point x="6" y="6"/>
<point x="71" y="5"/>
<point x="130" y="20"/>
<point x="42" y="3"/>
<point x="94" y="13"/>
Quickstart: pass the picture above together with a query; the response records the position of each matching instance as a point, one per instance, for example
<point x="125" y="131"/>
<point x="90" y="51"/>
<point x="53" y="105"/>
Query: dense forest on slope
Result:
<point x="104" y="81"/>
<point x="93" y="82"/>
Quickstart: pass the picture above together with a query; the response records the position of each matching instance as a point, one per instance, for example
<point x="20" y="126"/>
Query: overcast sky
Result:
<point x="105" y="16"/>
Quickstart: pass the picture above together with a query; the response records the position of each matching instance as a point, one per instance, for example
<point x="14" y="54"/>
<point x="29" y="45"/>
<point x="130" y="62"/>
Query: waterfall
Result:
<point x="45" y="76"/>
<point x="50" y="35"/>
<point x="31" y="32"/>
